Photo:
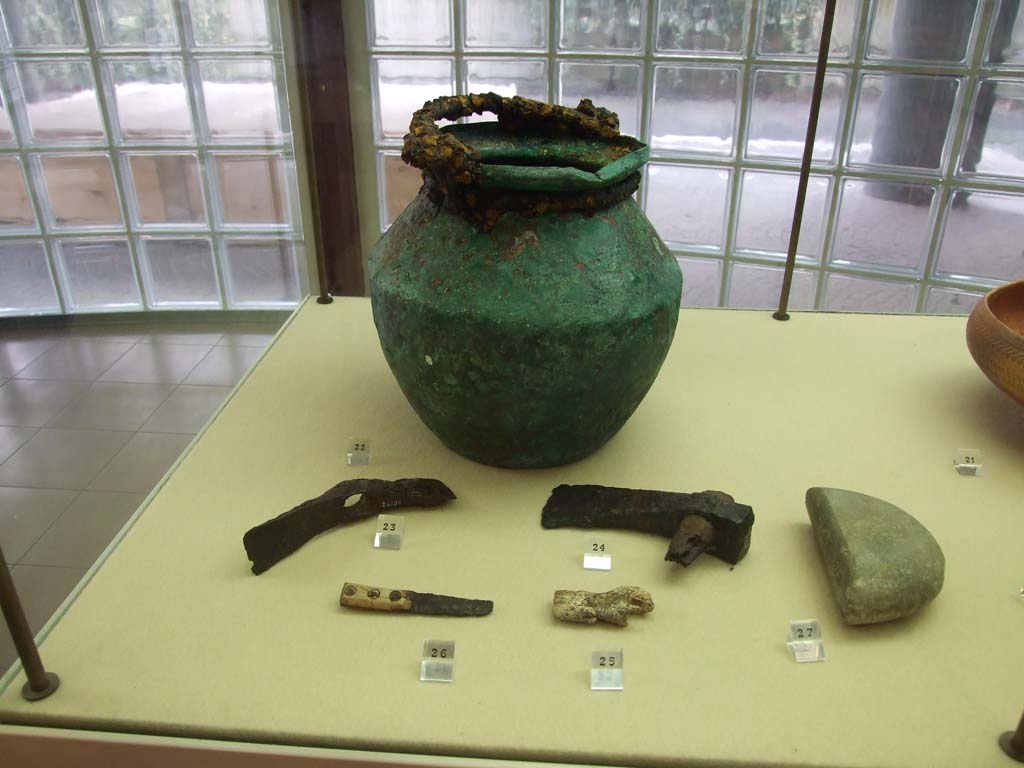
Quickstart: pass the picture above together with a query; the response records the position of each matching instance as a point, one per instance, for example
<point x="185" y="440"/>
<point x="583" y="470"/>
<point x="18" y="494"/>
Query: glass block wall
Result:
<point x="916" y="202"/>
<point x="147" y="158"/>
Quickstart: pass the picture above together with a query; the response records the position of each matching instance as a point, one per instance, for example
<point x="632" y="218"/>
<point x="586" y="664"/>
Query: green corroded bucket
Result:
<point x="523" y="300"/>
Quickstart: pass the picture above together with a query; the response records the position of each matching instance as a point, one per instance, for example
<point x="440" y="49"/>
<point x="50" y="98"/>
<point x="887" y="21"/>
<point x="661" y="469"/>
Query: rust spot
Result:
<point x="520" y="242"/>
<point x="436" y="282"/>
<point x="580" y="265"/>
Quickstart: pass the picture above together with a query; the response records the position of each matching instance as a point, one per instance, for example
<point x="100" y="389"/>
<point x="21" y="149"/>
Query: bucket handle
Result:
<point x="448" y="159"/>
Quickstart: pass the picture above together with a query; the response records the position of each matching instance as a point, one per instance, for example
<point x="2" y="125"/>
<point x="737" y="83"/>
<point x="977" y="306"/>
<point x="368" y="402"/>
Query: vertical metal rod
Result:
<point x="40" y="682"/>
<point x="1012" y="742"/>
<point x="805" y="165"/>
<point x="306" y="81"/>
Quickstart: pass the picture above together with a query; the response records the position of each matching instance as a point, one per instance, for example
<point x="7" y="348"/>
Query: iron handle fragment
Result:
<point x="270" y="542"/>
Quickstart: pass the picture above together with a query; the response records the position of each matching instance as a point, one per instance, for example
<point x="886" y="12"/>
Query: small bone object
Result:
<point x="709" y="521"/>
<point x="270" y="542"/>
<point x="407" y="601"/>
<point x="614" y="606"/>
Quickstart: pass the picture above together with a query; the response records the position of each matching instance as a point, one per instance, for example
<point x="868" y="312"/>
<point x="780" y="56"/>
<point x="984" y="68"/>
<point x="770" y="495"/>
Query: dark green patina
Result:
<point x="527" y="339"/>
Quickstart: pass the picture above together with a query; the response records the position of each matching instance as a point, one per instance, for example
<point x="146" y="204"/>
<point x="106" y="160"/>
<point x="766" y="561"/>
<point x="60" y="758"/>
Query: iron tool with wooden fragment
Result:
<point x="709" y="521"/>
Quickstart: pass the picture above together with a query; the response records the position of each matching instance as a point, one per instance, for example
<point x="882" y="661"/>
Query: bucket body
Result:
<point x="530" y="343"/>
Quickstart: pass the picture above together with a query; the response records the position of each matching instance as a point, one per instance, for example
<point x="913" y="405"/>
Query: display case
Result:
<point x="172" y="637"/>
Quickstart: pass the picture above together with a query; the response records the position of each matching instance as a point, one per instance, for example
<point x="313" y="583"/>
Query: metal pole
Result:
<point x="1012" y="742"/>
<point x="40" y="682"/>
<point x="805" y="165"/>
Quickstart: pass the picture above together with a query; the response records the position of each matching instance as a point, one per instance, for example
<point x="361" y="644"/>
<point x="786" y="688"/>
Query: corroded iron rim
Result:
<point x="457" y="177"/>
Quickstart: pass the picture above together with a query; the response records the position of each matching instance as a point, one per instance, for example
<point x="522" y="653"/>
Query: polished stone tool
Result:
<point x="882" y="563"/>
<point x="614" y="606"/>
<point x="272" y="541"/>
<point x="709" y="521"/>
<point x="407" y="601"/>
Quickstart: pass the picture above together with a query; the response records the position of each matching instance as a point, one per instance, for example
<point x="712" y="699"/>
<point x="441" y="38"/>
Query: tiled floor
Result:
<point x="90" y="420"/>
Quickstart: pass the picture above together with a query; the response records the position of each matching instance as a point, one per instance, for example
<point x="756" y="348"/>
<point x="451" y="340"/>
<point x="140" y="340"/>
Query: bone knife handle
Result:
<point x="375" y="598"/>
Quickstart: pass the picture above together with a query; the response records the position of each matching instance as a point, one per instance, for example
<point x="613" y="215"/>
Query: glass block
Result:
<point x="612" y="86"/>
<point x="167" y="189"/>
<point x="179" y="272"/>
<point x="261" y="271"/>
<point x="43" y="23"/>
<point x="152" y="104"/>
<point x="25" y="282"/>
<point x="412" y="23"/>
<point x="702" y="281"/>
<point x="241" y="99"/>
<point x="845" y="293"/>
<point x="1006" y="44"/>
<point x="983" y="236"/>
<point x="752" y="286"/>
<point x="404" y="85"/>
<point x="949" y="301"/>
<point x="229" y="22"/>
<point x="697" y="26"/>
<point x="515" y="26"/>
<point x="607" y="25"/>
<point x="883" y="225"/>
<point x="80" y="190"/>
<point x="995" y="143"/>
<point x="903" y="120"/>
<point x="98" y="274"/>
<point x="766" y="213"/>
<point x="400" y="183"/>
<point x="935" y="31"/>
<point x="136" y="23"/>
<point x="793" y="28"/>
<point x="695" y="109"/>
<point x="16" y="211"/>
<point x="507" y="77"/>
<point x="687" y="203"/>
<point x="253" y="189"/>
<point x="779" y="110"/>
<point x="6" y="132"/>
<point x="60" y="101"/>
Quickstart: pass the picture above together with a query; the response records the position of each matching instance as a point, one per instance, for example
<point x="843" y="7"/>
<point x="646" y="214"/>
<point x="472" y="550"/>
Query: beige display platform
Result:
<point x="174" y="636"/>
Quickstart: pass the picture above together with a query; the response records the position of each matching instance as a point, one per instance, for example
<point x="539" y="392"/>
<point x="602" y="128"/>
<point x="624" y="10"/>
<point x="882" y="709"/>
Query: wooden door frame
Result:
<point x="327" y="125"/>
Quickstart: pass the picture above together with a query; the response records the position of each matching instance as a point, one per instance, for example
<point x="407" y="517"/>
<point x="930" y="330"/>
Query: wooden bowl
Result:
<point x="995" y="336"/>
